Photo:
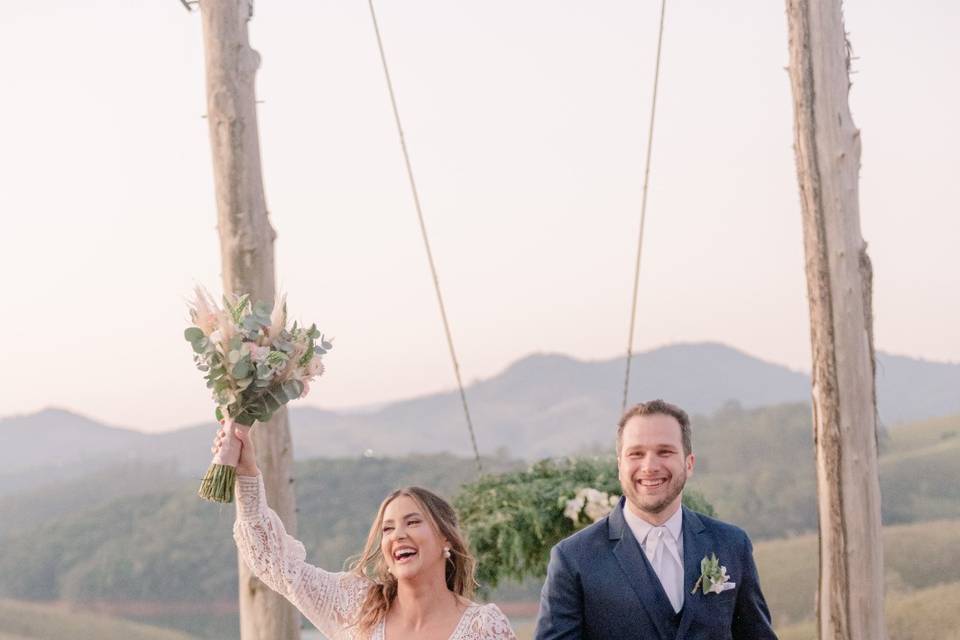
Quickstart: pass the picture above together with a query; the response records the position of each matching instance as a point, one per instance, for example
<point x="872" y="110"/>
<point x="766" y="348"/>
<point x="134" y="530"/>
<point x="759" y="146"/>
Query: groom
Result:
<point x="637" y="572"/>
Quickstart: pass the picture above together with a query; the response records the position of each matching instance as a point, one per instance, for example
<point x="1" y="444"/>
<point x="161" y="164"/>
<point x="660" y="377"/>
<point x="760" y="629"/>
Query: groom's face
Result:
<point x="653" y="467"/>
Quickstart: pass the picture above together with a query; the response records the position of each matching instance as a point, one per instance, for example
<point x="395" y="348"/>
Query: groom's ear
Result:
<point x="691" y="462"/>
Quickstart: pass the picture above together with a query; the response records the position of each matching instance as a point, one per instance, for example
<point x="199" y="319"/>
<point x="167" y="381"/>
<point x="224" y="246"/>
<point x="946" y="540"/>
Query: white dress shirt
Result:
<point x="669" y="536"/>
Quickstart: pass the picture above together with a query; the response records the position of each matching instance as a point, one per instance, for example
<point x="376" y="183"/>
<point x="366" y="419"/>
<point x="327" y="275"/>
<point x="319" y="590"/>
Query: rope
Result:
<point x="643" y="209"/>
<point x="426" y="240"/>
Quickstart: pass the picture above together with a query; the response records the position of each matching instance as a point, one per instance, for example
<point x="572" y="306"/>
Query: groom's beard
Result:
<point x="656" y="503"/>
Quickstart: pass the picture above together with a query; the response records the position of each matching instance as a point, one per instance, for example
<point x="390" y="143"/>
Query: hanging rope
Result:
<point x="426" y="240"/>
<point x="643" y="209"/>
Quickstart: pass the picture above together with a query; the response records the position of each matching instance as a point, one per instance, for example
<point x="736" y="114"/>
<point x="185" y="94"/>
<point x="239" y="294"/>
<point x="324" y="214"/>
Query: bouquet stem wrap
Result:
<point x="217" y="484"/>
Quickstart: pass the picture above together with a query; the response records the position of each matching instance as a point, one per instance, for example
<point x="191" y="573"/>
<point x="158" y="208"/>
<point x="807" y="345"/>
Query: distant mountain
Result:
<point x="55" y="444"/>
<point x="909" y="389"/>
<point x="544" y="404"/>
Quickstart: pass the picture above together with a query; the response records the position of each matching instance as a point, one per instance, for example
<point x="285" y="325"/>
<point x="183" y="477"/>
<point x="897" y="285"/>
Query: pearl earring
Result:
<point x="446" y="552"/>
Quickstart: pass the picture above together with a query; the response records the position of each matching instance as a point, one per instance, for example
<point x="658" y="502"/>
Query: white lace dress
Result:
<point x="329" y="600"/>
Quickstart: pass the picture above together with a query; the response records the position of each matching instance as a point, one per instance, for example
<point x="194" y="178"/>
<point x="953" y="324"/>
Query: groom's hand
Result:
<point x="247" y="466"/>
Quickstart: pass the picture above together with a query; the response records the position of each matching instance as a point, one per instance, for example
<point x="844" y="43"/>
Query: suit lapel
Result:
<point x="639" y="573"/>
<point x="695" y="547"/>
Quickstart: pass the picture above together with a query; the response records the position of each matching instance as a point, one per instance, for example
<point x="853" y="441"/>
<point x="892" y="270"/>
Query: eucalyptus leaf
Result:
<point x="241" y="370"/>
<point x="193" y="334"/>
<point x="293" y="389"/>
<point x="239" y="307"/>
<point x="326" y="345"/>
<point x="234" y="356"/>
<point x="276" y="358"/>
<point x="272" y="403"/>
<point x="278" y="395"/>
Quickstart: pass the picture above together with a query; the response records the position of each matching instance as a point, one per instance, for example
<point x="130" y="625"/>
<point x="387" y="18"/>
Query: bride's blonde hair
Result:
<point x="460" y="567"/>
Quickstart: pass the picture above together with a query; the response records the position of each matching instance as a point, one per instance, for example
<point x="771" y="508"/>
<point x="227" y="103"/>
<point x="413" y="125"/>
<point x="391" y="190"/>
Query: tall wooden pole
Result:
<point x="827" y="145"/>
<point x="246" y="251"/>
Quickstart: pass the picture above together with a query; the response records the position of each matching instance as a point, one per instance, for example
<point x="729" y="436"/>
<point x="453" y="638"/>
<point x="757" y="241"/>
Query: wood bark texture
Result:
<point x="246" y="250"/>
<point x="839" y="282"/>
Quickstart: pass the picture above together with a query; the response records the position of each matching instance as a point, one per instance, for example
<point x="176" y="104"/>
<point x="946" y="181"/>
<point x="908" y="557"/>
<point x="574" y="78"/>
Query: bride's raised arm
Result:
<point x="330" y="600"/>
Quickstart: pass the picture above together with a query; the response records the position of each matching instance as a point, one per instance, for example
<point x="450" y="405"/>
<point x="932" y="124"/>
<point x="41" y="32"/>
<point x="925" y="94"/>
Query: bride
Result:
<point x="414" y="578"/>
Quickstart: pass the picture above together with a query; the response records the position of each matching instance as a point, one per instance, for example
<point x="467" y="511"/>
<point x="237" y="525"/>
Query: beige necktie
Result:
<point x="665" y="564"/>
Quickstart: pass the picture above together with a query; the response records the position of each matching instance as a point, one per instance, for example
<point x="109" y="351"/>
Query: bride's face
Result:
<point x="411" y="544"/>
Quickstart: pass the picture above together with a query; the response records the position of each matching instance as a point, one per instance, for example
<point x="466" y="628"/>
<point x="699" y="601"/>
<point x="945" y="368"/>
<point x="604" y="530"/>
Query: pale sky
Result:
<point x="526" y="123"/>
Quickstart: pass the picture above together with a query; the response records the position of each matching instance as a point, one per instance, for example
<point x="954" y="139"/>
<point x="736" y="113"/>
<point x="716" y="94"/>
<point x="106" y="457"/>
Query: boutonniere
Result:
<point x="713" y="577"/>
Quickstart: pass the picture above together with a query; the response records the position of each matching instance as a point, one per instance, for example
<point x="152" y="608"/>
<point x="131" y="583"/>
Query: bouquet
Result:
<point x="254" y="365"/>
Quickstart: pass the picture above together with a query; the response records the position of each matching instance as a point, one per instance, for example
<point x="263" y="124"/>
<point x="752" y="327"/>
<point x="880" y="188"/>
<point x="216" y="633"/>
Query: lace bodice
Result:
<point x="330" y="600"/>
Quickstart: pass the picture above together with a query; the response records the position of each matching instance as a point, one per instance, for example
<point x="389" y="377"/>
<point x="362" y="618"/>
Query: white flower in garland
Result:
<point x="573" y="509"/>
<point x="590" y="502"/>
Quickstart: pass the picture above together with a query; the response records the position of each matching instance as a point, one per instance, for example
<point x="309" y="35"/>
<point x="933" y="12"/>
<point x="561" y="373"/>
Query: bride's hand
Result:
<point x="248" y="456"/>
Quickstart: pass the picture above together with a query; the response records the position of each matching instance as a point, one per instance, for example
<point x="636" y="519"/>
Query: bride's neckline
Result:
<point x="453" y="635"/>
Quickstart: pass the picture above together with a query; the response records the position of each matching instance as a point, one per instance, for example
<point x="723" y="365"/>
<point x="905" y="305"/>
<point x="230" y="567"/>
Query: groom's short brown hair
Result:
<point x="654" y="407"/>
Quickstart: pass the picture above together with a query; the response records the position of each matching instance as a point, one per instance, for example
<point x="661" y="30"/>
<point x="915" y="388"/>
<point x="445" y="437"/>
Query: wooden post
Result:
<point x="246" y="250"/>
<point x="827" y="145"/>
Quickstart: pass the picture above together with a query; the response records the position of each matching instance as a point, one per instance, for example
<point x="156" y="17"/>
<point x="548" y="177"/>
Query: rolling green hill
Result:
<point x="757" y="468"/>
<point x="32" y="621"/>
<point x="919" y="615"/>
<point x="917" y="556"/>
<point x="920" y="471"/>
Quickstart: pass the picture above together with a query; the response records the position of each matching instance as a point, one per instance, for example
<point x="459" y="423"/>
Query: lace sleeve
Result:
<point x="489" y="623"/>
<point x="329" y="600"/>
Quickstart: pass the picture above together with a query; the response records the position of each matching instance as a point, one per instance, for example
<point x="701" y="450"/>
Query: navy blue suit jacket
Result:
<point x="600" y="586"/>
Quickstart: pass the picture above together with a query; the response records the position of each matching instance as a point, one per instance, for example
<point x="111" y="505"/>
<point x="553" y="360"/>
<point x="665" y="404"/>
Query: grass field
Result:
<point x="920" y="615"/>
<point x="31" y="621"/>
<point x="943" y="431"/>
<point x="917" y="556"/>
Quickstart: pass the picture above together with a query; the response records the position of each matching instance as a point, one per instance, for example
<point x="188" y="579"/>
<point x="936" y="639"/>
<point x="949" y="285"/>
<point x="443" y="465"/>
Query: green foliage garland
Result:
<point x="513" y="520"/>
